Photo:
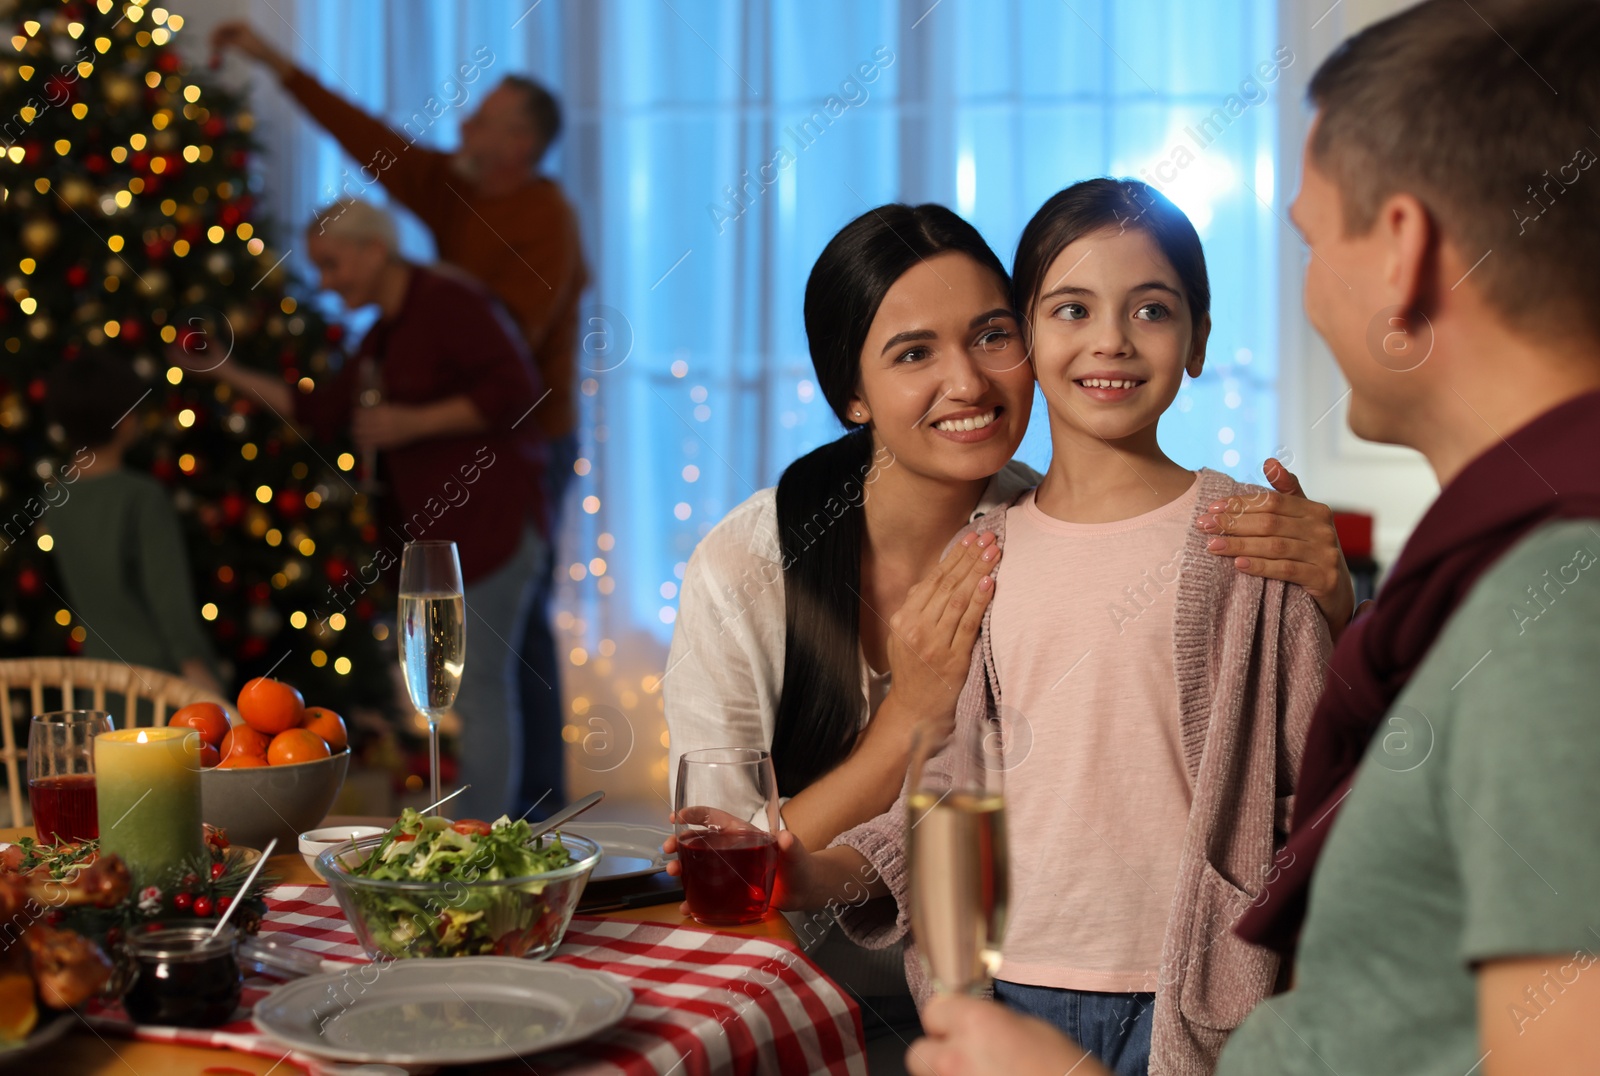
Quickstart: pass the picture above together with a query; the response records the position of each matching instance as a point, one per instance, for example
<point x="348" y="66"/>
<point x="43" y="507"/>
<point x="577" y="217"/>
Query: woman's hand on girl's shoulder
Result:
<point x="1285" y="535"/>
<point x="931" y="636"/>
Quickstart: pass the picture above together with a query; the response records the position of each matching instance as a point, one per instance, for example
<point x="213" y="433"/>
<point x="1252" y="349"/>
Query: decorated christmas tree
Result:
<point x="130" y="223"/>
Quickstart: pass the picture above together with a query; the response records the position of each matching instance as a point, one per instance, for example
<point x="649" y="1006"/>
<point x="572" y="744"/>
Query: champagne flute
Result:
<point x="958" y="862"/>
<point x="433" y="634"/>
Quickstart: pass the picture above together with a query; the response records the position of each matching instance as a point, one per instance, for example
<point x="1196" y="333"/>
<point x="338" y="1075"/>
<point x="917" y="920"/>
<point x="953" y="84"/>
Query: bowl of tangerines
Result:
<point x="276" y="772"/>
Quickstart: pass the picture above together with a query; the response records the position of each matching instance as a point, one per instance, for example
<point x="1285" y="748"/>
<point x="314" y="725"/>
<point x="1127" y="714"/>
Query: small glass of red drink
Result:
<point x="61" y="774"/>
<point x="725" y="817"/>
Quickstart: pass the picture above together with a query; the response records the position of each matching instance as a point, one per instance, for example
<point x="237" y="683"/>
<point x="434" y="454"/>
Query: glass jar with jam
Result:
<point x="183" y="977"/>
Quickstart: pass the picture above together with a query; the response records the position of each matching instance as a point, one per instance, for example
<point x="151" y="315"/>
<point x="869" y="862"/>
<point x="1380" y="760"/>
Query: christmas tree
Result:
<point x="130" y="223"/>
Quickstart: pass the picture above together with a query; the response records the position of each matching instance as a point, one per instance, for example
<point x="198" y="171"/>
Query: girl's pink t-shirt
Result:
<point x="1097" y="794"/>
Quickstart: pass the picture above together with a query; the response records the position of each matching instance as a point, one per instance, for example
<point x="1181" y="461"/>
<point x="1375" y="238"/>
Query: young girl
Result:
<point x="1152" y="702"/>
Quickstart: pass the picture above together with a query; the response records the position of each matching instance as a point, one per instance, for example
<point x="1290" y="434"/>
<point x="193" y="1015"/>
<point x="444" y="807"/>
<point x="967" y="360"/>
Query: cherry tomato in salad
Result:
<point x="472" y="827"/>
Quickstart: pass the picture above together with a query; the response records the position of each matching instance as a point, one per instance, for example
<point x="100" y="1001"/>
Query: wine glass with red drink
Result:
<point x="61" y="774"/>
<point x="726" y="821"/>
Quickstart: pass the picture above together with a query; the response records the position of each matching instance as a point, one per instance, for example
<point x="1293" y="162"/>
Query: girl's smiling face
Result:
<point x="945" y="381"/>
<point x="1112" y="335"/>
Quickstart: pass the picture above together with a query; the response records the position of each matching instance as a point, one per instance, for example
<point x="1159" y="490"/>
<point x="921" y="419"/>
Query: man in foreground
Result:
<point x="1449" y="799"/>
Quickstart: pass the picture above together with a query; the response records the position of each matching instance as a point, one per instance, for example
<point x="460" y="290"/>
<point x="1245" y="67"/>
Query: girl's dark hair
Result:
<point x="820" y="495"/>
<point x="1094" y="204"/>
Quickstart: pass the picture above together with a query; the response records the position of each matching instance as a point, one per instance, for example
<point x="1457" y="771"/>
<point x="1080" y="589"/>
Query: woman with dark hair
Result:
<point x="806" y="602"/>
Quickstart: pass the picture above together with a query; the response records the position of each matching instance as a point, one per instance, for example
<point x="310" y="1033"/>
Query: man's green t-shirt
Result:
<point x="1472" y="833"/>
<point x="122" y="557"/>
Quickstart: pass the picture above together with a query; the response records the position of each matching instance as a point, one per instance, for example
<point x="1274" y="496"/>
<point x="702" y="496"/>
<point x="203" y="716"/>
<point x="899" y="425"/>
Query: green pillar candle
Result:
<point x="148" y="784"/>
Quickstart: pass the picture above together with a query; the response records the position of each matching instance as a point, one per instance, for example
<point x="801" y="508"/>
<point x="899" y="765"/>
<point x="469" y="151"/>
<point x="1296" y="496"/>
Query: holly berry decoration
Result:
<point x="182" y="901"/>
<point x="202" y="907"/>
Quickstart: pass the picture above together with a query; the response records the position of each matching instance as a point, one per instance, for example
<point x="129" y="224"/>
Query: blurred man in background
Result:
<point x="494" y="215"/>
<point x="455" y="455"/>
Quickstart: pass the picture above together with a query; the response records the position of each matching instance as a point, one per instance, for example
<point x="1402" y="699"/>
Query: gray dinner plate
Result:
<point x="442" y="1012"/>
<point x="628" y="850"/>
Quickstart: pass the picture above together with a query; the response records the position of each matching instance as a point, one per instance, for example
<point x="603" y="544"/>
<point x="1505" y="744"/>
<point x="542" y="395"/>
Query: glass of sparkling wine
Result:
<point x="957" y="855"/>
<point x="433" y="634"/>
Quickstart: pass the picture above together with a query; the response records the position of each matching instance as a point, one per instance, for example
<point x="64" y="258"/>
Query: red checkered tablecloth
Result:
<point x="703" y="1002"/>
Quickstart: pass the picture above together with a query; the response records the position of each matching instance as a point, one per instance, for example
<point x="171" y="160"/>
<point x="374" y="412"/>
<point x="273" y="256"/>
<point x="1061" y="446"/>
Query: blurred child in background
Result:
<point x="117" y="540"/>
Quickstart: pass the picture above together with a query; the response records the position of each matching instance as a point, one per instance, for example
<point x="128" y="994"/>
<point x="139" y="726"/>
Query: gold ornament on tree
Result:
<point x="39" y="235"/>
<point x="75" y="192"/>
<point x="120" y="91"/>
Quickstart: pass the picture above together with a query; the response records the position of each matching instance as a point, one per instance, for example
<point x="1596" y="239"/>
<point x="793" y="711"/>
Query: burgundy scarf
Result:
<point x="1549" y="469"/>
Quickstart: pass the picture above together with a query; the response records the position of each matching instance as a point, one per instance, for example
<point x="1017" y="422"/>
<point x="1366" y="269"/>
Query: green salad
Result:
<point x="462" y="916"/>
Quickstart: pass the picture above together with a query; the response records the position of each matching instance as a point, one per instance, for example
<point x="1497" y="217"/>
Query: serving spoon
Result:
<point x="566" y="814"/>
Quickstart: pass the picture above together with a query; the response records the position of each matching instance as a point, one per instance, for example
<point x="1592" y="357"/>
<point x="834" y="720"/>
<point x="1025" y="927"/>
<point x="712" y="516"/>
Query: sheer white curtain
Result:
<point x="713" y="146"/>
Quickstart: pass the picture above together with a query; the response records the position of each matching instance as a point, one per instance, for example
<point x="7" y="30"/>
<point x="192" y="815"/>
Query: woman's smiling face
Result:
<point x="1113" y="335"/>
<point x="945" y="381"/>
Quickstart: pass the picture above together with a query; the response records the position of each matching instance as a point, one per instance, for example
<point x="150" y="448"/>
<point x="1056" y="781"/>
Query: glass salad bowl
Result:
<point x="466" y="915"/>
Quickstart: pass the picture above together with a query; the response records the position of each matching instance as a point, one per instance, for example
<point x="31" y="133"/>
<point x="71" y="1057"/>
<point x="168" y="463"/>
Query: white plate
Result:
<point x="442" y="1012"/>
<point x="630" y="851"/>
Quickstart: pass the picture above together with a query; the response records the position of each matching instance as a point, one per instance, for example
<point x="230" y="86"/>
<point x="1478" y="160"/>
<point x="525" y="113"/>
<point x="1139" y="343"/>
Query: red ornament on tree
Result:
<point x="77" y="276"/>
<point x="28" y="582"/>
<point x="58" y="90"/>
<point x="336" y="568"/>
<point x="290" y="504"/>
<point x="214" y="127"/>
<point x="232" y="508"/>
<point x="167" y="62"/>
<point x="36" y="390"/>
<point x="95" y="164"/>
<point x="132" y="331"/>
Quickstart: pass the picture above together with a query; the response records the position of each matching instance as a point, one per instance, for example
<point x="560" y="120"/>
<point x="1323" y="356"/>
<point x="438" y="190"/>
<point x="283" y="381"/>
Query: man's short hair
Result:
<point x="1483" y="111"/>
<point x="353" y="218"/>
<point x="543" y="108"/>
<point x="90" y="394"/>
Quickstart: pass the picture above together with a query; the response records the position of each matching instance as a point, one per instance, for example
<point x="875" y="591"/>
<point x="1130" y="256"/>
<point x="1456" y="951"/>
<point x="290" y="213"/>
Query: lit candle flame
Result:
<point x="142" y="737"/>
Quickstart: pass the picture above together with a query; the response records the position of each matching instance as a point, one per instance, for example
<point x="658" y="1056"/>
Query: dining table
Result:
<point x="91" y="1050"/>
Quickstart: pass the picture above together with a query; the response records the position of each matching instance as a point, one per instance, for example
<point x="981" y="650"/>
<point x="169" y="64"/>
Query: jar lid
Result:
<point x="183" y="943"/>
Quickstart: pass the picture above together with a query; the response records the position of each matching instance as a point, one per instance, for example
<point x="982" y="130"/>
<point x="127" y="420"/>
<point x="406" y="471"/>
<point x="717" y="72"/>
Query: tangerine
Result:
<point x="240" y="761"/>
<point x="327" y="724"/>
<point x="244" y="740"/>
<point x="296" y="745"/>
<point x="271" y="706"/>
<point x="206" y="718"/>
<point x="209" y="756"/>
